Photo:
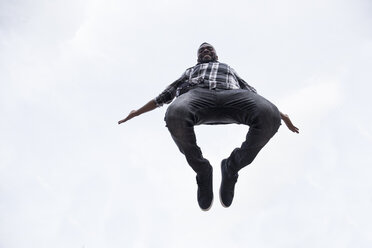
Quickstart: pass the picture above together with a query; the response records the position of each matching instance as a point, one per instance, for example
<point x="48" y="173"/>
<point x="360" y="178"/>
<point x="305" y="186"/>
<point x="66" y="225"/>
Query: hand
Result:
<point x="289" y="123"/>
<point x="132" y="114"/>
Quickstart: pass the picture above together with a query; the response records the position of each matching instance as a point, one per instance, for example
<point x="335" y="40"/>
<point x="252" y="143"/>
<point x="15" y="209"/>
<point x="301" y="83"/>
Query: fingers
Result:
<point x="123" y="120"/>
<point x="130" y="116"/>
<point x="291" y="126"/>
<point x="294" y="129"/>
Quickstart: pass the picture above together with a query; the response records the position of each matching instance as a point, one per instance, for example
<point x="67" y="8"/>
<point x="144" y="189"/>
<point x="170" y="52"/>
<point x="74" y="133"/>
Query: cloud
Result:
<point x="70" y="176"/>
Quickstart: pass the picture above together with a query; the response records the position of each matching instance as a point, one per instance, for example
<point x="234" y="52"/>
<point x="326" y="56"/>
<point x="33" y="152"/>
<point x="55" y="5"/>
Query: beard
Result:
<point x="207" y="58"/>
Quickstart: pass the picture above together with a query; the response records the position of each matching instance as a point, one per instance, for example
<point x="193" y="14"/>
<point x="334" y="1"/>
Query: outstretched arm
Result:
<point x="151" y="105"/>
<point x="289" y="123"/>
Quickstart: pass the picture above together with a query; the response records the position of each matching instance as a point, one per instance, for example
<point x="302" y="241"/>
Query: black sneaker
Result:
<point x="205" y="190"/>
<point x="227" y="185"/>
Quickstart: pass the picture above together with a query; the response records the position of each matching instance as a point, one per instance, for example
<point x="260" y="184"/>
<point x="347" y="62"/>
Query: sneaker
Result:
<point x="205" y="190"/>
<point x="227" y="185"/>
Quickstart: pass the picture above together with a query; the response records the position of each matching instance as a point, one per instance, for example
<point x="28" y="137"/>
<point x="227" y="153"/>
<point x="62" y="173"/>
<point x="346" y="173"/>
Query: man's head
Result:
<point x="206" y="53"/>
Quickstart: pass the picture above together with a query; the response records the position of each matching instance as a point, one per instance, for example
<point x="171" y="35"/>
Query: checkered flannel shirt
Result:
<point x="212" y="75"/>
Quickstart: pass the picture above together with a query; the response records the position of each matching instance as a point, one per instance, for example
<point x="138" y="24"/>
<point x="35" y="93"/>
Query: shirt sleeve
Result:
<point x="169" y="93"/>
<point x="243" y="84"/>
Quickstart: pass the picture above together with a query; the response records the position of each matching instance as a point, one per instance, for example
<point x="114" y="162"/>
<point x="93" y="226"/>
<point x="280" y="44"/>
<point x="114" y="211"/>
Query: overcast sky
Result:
<point x="71" y="177"/>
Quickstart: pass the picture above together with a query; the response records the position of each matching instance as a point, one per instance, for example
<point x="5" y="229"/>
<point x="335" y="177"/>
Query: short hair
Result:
<point x="204" y="44"/>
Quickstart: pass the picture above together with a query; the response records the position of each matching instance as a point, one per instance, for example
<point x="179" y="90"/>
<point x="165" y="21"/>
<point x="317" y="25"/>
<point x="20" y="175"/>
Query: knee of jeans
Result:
<point x="175" y="116"/>
<point x="268" y="119"/>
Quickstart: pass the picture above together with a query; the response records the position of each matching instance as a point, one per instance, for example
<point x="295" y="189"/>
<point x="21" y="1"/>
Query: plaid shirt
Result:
<point x="212" y="75"/>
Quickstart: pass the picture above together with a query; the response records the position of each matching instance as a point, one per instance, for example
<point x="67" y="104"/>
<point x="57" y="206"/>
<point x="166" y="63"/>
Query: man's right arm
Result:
<point x="165" y="97"/>
<point x="151" y="105"/>
<point x="168" y="94"/>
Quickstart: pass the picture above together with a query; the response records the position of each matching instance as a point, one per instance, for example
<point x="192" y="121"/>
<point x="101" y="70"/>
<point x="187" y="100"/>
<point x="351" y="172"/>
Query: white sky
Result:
<point x="71" y="177"/>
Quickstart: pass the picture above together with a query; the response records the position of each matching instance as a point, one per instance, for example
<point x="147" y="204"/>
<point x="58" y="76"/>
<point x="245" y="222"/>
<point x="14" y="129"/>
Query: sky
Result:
<point x="71" y="177"/>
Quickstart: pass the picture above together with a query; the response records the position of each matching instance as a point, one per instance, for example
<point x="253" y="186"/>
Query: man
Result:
<point x="212" y="93"/>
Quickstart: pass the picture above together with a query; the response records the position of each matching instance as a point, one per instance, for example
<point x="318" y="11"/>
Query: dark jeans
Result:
<point x="204" y="106"/>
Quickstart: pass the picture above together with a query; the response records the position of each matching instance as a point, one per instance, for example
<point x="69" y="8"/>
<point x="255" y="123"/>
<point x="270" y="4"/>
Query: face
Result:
<point x="206" y="53"/>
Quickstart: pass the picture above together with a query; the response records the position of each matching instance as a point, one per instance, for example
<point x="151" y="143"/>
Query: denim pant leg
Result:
<point x="263" y="117"/>
<point x="181" y="116"/>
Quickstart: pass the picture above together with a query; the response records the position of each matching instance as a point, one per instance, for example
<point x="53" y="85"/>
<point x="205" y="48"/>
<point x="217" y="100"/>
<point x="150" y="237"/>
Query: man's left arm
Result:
<point x="243" y="84"/>
<point x="289" y="123"/>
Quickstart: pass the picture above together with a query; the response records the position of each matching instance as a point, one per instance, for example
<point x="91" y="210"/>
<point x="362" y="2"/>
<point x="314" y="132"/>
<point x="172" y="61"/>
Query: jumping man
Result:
<point x="212" y="93"/>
